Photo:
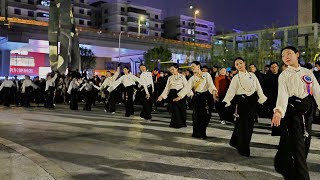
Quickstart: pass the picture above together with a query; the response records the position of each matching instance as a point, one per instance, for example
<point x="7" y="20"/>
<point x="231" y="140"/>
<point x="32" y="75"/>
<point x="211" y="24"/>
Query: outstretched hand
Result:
<point x="276" y="119"/>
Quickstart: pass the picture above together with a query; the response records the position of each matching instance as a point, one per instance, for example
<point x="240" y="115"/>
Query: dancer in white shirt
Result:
<point x="297" y="90"/>
<point x="6" y="88"/>
<point x="244" y="90"/>
<point x="146" y="100"/>
<point x="50" y="90"/>
<point x="199" y="84"/>
<point x="175" y="83"/>
<point x="128" y="80"/>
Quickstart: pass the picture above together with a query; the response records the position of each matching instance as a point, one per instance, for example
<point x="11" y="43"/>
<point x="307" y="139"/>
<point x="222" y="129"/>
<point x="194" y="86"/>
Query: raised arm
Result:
<point x="115" y="84"/>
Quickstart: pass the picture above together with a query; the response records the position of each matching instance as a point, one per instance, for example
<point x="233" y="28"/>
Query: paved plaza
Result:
<point x="38" y="143"/>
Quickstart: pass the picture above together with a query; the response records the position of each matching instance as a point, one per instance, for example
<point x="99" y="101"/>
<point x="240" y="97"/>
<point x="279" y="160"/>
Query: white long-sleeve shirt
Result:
<point x="109" y="80"/>
<point x="244" y="83"/>
<point x="27" y="83"/>
<point x="51" y="82"/>
<point x="199" y="84"/>
<point x="291" y="84"/>
<point x="6" y="83"/>
<point x="88" y="86"/>
<point x="174" y="82"/>
<point x="147" y="80"/>
<point x="127" y="80"/>
<point x="73" y="85"/>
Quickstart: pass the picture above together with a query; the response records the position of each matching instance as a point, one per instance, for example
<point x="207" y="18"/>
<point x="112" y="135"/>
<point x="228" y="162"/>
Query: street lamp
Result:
<point x="141" y="18"/>
<point x="196" y="12"/>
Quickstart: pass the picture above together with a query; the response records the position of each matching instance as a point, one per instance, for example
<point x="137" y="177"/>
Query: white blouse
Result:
<point x="204" y="82"/>
<point x="174" y="82"/>
<point x="244" y="83"/>
<point x="292" y="83"/>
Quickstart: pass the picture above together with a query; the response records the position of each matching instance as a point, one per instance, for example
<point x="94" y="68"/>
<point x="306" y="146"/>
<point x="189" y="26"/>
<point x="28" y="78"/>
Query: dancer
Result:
<point x="6" y="88"/>
<point x="294" y="110"/>
<point x="146" y="100"/>
<point x="245" y="91"/>
<point x="128" y="80"/>
<point x="109" y="100"/>
<point x="175" y="83"/>
<point x="199" y="83"/>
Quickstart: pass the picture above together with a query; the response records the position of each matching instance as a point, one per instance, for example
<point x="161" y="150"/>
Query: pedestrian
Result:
<point x="294" y="112"/>
<point x="222" y="83"/>
<point x="270" y="89"/>
<point x="245" y="91"/>
<point x="200" y="83"/>
<point x="175" y="83"/>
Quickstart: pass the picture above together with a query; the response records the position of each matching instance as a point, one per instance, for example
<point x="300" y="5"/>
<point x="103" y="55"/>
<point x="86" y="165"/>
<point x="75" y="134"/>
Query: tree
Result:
<point x="87" y="59"/>
<point x="157" y="55"/>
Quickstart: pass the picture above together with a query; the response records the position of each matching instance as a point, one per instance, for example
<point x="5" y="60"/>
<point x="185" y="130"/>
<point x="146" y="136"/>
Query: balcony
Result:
<point x="22" y="5"/>
<point x="156" y="20"/>
<point x="156" y="29"/>
<point x="123" y="13"/>
<point x="137" y="11"/>
<point x="82" y="16"/>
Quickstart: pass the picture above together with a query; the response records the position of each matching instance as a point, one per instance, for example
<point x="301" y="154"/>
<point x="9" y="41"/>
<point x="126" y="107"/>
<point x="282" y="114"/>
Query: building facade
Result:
<point x="39" y="10"/>
<point x="121" y="15"/>
<point x="308" y="12"/>
<point x="182" y="28"/>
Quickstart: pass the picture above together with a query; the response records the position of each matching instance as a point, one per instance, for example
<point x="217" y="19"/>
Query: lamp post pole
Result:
<point x="141" y="18"/>
<point x="120" y="44"/>
<point x="194" y="25"/>
<point x="139" y="27"/>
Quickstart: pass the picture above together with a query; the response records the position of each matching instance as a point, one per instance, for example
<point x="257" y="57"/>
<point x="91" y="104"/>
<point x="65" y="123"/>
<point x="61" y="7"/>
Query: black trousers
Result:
<point x="146" y="104"/>
<point x="27" y="96"/>
<point x="6" y="96"/>
<point x="178" y="110"/>
<point x="74" y="99"/>
<point x="200" y="115"/>
<point x="88" y="100"/>
<point x="49" y="97"/>
<point x="109" y="102"/>
<point x="128" y="100"/>
<point x="243" y="129"/>
<point x="293" y="149"/>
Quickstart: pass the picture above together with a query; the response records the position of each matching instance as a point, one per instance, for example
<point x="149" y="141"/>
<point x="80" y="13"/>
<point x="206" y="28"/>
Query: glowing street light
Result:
<point x="196" y="12"/>
<point x="141" y="18"/>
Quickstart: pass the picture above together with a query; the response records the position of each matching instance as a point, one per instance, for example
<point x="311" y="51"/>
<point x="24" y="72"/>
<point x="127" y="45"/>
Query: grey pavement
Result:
<point x="37" y="143"/>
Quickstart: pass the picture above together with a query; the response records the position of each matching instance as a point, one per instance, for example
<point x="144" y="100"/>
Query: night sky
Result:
<point x="238" y="14"/>
<point x="233" y="14"/>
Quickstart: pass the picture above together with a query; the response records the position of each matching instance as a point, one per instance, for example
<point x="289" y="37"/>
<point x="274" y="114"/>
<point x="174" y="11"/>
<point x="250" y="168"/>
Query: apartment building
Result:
<point x="182" y="28"/>
<point x="121" y="15"/>
<point x="39" y="10"/>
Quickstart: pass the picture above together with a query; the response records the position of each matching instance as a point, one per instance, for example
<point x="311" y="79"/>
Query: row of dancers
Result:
<point x="298" y="94"/>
